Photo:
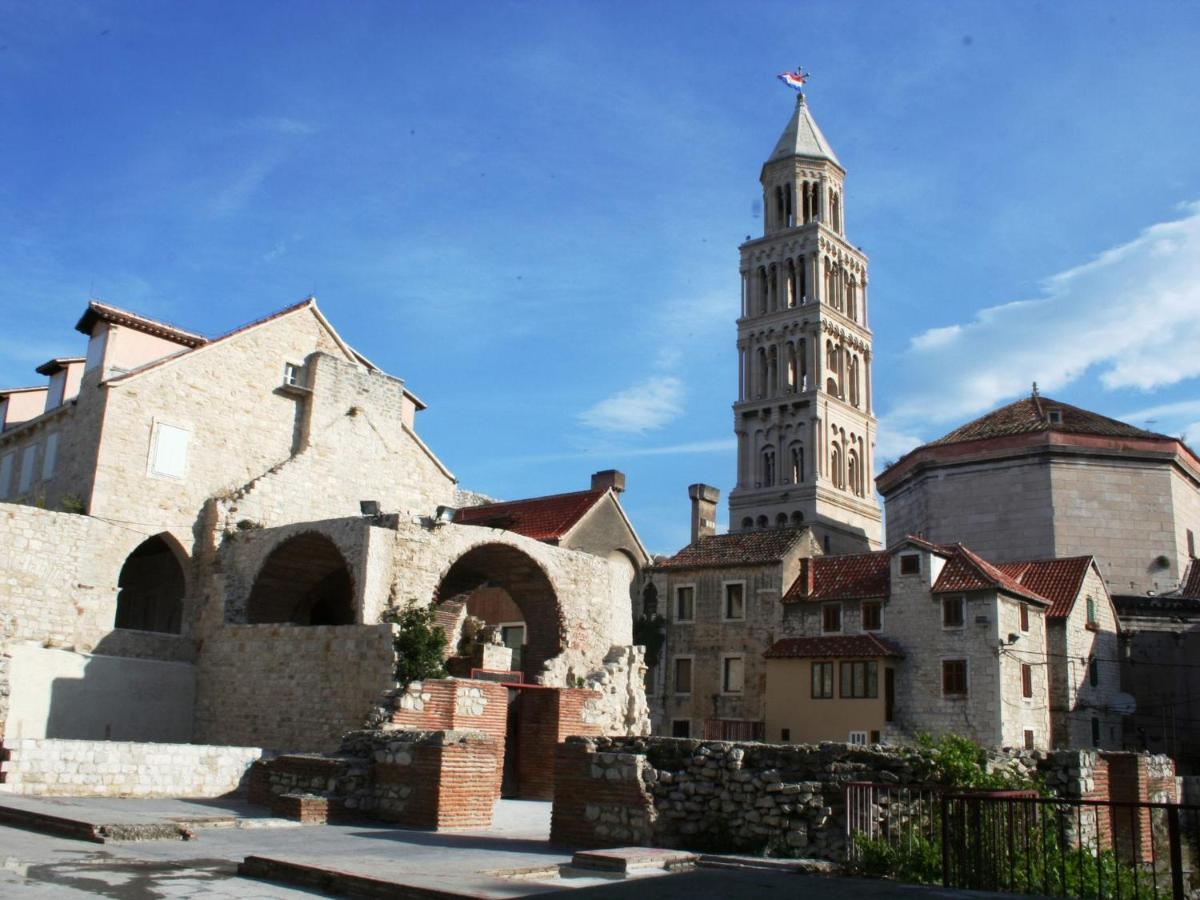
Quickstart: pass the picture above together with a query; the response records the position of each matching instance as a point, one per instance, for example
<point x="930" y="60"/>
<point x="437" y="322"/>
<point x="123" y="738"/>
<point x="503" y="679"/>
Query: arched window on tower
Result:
<point x="806" y="191"/>
<point x="791" y="284"/>
<point x="816" y="201"/>
<point x="853" y="467"/>
<point x="761" y="387"/>
<point x="797" y="463"/>
<point x="802" y="280"/>
<point x="773" y="288"/>
<point x="763" y="290"/>
<point x="768" y="467"/>
<point x="792" y="374"/>
<point x="835" y="208"/>
<point x="762" y="522"/>
<point x="802" y="364"/>
<point x="828" y="282"/>
<point x="787" y="205"/>
<point x="773" y="371"/>
<point x="831" y="363"/>
<point x="835" y="465"/>
<point x="779" y="218"/>
<point x="852" y="299"/>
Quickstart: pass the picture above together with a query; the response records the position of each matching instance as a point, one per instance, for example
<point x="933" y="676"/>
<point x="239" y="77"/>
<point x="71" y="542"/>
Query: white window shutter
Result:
<point x="50" y="458"/>
<point x="170" y="451"/>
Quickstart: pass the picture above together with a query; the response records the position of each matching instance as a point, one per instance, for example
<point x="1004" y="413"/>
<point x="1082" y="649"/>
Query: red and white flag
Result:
<point x="794" y="79"/>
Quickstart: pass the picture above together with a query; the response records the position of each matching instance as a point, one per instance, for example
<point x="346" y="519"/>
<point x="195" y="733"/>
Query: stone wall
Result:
<point x="120" y="769"/>
<point x="291" y="687"/>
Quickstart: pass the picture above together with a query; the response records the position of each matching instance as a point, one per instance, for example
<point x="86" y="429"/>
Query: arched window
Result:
<point x="835" y="466"/>
<point x="781" y="520"/>
<point x="650" y="600"/>
<point x="747" y="523"/>
<point x="797" y="518"/>
<point x="853" y="467"/>
<point x="152" y="586"/>
<point x="792" y="374"/>
<point x="762" y="373"/>
<point x="853" y="380"/>
<point x="763" y="291"/>
<point x="768" y="467"/>
<point x="791" y="284"/>
<point x="780" y="215"/>
<point x="807" y="191"/>
<point x="852" y="299"/>
<point x="797" y="463"/>
<point x="802" y="365"/>
<point x="816" y="201"/>
<point x="787" y="204"/>
<point x="762" y="522"/>
<point x="773" y="371"/>
<point x="802" y="280"/>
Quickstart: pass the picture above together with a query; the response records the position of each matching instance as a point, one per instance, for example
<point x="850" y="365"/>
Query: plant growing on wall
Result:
<point x="419" y="642"/>
<point x="650" y="631"/>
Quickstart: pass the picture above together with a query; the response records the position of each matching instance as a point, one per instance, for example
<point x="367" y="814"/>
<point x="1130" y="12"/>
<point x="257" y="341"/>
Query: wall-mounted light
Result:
<point x="444" y="515"/>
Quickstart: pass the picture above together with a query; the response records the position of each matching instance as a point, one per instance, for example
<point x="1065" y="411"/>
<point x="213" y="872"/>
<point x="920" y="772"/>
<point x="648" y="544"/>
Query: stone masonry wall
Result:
<point x="51" y="768"/>
<point x="291" y="687"/>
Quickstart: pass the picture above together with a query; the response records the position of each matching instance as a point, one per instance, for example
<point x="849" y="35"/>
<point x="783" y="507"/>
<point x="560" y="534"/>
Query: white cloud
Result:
<point x="1129" y="316"/>
<point x="643" y="407"/>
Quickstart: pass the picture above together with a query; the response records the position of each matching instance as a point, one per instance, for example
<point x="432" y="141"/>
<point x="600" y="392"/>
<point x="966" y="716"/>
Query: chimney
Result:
<point x="807" y="577"/>
<point x="704" y="510"/>
<point x="609" y="478"/>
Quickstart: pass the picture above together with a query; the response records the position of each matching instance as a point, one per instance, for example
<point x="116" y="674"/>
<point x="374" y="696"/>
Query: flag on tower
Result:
<point x="794" y="79"/>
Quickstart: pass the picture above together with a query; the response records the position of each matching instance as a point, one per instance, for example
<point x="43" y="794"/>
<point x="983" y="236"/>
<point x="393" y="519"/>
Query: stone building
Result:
<point x="804" y="415"/>
<point x="922" y="637"/>
<point x="199" y="536"/>
<point x="1041" y="478"/>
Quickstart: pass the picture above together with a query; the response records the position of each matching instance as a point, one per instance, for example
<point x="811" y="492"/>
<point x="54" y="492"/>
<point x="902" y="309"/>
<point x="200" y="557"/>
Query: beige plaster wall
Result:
<point x="790" y="705"/>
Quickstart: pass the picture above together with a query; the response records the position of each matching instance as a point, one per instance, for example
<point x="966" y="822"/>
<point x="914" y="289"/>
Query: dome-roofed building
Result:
<point x="1041" y="478"/>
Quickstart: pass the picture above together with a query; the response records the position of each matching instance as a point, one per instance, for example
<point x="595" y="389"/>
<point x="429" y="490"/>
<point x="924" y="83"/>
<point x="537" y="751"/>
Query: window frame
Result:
<point x="687" y="722"/>
<point x="152" y="457"/>
<point x="825" y="609"/>
<point x="690" y="586"/>
<point x="825" y="665"/>
<point x="862" y="619"/>
<point x="966" y="671"/>
<point x="1026" y="681"/>
<point x="857" y="738"/>
<point x="691" y="661"/>
<point x="905" y="558"/>
<point x="725" y="585"/>
<point x="961" y="601"/>
<point x="727" y="658"/>
<point x="1023" y="612"/>
<point x="870" y="685"/>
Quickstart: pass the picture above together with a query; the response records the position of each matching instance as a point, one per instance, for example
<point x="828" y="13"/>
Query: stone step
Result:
<point x="629" y="859"/>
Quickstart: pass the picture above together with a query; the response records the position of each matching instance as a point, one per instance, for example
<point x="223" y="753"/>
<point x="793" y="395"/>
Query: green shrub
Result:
<point x="420" y="644"/>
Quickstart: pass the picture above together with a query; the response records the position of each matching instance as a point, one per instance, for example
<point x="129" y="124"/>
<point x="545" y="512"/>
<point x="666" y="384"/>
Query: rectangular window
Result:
<point x="6" y="474"/>
<point x="1091" y="610"/>
<point x="685" y="603"/>
<point x="1024" y="616"/>
<point x="1093" y="671"/>
<point x="50" y="457"/>
<point x="735" y="600"/>
<point x="874" y="737"/>
<point x="681" y="728"/>
<point x="860" y="679"/>
<point x="1191" y="542"/>
<point x="27" y="461"/>
<point x="731" y="674"/>
<point x="954" y="678"/>
<point x="831" y="618"/>
<point x="683" y="675"/>
<point x="822" y="680"/>
<point x="1028" y="738"/>
<point x="910" y="564"/>
<point x="1095" y="732"/>
<point x="785" y="734"/>
<point x="858" y="738"/>
<point x="872" y="615"/>
<point x="293" y="375"/>
<point x="1027" y="681"/>
<point x="952" y="612"/>
<point x="168" y="456"/>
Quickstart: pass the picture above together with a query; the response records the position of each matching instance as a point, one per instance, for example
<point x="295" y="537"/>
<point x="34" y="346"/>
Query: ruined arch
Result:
<point x="526" y="585"/>
<point x="152" y="586"/>
<point x="304" y="581"/>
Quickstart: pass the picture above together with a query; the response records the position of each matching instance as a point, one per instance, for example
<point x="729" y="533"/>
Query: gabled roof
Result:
<point x="58" y="364"/>
<point x="861" y="646"/>
<point x="104" y="312"/>
<point x="1058" y="580"/>
<point x="859" y="577"/>
<point x="743" y="548"/>
<point x="541" y="518"/>
<point x="965" y="570"/>
<point x="1032" y="414"/>
<point x="802" y="137"/>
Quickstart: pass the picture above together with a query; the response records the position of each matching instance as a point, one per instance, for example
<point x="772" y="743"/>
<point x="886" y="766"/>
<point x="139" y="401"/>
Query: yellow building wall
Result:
<point x="790" y="705"/>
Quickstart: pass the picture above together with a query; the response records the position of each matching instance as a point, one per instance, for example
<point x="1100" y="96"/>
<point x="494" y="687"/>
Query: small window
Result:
<point x="1191" y="544"/>
<point x="6" y="474"/>
<point x="293" y="375"/>
<point x="1028" y="738"/>
<point x="954" y="678"/>
<point x="1055" y="416"/>
<point x="685" y="603"/>
<point x="731" y="675"/>
<point x="822" y="680"/>
<point x="875" y="737"/>
<point x="50" y="457"/>
<point x="831" y="618"/>
<point x="1091" y="610"/>
<point x="681" y="728"/>
<point x="1024" y="616"/>
<point x="169" y="452"/>
<point x="1095" y="732"/>
<point x="872" y="615"/>
<point x="860" y="679"/>
<point x="1027" y="681"/>
<point x="858" y="738"/>
<point x="735" y="600"/>
<point x="953" y="614"/>
<point x="785" y="734"/>
<point x="27" y="461"/>
<point x="683" y="675"/>
<point x="910" y="564"/>
<point x="1093" y="671"/>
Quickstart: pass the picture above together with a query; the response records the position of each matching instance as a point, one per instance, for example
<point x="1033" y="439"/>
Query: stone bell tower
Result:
<point x="804" y="414"/>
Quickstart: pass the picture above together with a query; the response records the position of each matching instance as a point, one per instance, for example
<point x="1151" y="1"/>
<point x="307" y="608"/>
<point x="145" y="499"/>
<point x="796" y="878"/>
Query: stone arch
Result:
<point x="304" y="581"/>
<point x="495" y="565"/>
<point x="152" y="585"/>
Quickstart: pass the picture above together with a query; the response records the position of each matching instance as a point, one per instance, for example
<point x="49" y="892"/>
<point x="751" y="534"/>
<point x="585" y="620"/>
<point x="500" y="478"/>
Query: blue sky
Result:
<point x="530" y="211"/>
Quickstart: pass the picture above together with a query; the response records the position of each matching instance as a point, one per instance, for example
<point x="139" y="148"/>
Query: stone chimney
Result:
<point x="807" y="577"/>
<point x="609" y="478"/>
<point x="704" y="510"/>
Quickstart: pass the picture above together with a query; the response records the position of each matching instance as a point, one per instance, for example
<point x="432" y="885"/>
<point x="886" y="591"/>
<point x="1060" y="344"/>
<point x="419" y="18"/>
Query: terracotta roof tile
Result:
<point x="967" y="571"/>
<point x="1058" y="580"/>
<point x="743" y="548"/>
<point x="1190" y="588"/>
<point x="541" y="518"/>
<point x="1031" y="414"/>
<point x="104" y="312"/>
<point x="842" y="578"/>
<point x="860" y="646"/>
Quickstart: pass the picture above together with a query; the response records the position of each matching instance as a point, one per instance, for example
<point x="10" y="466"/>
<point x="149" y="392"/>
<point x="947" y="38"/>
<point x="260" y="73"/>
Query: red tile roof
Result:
<point x="744" y="548"/>
<point x="967" y="571"/>
<point x="856" y="577"/>
<point x="103" y="312"/>
<point x="541" y="518"/>
<point x="860" y="646"/>
<point x="1031" y="414"/>
<point x="1190" y="587"/>
<point x="1058" y="580"/>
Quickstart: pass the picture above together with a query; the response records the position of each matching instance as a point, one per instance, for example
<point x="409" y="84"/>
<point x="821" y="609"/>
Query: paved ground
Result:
<point x="510" y="860"/>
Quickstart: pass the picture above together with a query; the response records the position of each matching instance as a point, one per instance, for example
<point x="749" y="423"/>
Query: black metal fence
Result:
<point x="1021" y="843"/>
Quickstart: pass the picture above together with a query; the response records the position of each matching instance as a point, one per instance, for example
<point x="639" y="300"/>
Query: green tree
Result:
<point x="420" y="644"/>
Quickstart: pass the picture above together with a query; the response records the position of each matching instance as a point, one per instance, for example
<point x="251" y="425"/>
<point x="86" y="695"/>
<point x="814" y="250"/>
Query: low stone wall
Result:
<point x="421" y="779"/>
<point x="123" y="769"/>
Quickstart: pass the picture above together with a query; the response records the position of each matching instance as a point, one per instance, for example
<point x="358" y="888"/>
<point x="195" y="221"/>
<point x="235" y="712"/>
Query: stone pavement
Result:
<point x="512" y="859"/>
